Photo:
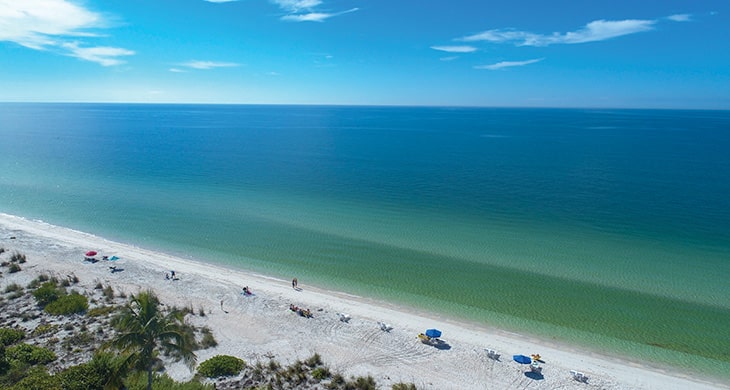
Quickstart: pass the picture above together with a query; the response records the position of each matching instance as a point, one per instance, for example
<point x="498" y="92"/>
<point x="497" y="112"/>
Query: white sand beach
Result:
<point x="261" y="326"/>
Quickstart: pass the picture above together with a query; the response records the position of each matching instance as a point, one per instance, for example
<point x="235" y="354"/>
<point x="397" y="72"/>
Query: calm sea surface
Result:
<point x="606" y="228"/>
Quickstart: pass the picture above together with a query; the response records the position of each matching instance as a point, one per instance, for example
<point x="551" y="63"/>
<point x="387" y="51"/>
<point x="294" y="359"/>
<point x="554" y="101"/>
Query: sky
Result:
<point x="519" y="53"/>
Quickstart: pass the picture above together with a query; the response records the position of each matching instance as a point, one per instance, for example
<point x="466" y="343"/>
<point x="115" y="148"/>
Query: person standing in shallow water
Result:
<point x="294" y="283"/>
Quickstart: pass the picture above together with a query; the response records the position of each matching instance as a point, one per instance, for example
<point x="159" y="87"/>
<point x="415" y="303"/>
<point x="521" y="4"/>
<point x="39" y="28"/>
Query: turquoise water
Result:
<point x="607" y="228"/>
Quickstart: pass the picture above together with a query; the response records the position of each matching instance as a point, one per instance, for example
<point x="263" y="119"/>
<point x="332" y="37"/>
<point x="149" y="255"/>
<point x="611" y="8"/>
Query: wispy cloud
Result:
<point x="680" y="18"/>
<point x="314" y="16"/>
<point x="598" y="30"/>
<point x="450" y="58"/>
<point x="56" y="25"/>
<point x="508" y="64"/>
<point x="295" y="6"/>
<point x="455" y="49"/>
<point x="205" y="65"/>
<point x="305" y="11"/>
<point x="177" y="70"/>
<point x="106" y="56"/>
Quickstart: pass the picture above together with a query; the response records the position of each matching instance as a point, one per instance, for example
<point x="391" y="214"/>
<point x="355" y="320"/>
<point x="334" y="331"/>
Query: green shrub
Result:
<point x="101" y="311"/>
<point x="138" y="381"/>
<point x="36" y="378"/>
<point x="14" y="268"/>
<point x="221" y="365"/>
<point x="108" y="293"/>
<point x="321" y="373"/>
<point x="46" y="293"/>
<point x="13" y="287"/>
<point x="10" y="336"/>
<point x="362" y="383"/>
<point x="17" y="257"/>
<point x="68" y="304"/>
<point x="208" y="340"/>
<point x="404" y="386"/>
<point x="103" y="370"/>
<point x="314" y="361"/>
<point x="44" y="328"/>
<point x="29" y="354"/>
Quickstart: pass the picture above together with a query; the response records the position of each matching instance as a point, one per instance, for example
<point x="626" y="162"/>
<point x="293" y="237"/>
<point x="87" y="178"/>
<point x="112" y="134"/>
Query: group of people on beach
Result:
<point x="171" y="276"/>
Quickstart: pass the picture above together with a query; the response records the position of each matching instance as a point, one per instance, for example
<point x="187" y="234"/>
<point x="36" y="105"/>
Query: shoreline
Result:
<point x="261" y="325"/>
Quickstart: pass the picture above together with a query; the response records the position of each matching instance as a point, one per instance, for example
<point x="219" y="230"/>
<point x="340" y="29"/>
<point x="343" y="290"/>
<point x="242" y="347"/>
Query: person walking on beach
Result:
<point x="294" y="283"/>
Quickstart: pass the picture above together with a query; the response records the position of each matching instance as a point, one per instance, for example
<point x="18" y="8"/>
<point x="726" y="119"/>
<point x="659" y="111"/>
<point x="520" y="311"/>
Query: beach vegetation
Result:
<point x="68" y="304"/>
<point x="42" y="329"/>
<point x="221" y="365"/>
<point x="46" y="293"/>
<point x="35" y="283"/>
<point x="10" y="336"/>
<point x="18" y="257"/>
<point x="5" y="263"/>
<point x="104" y="370"/>
<point x="29" y="354"/>
<point x="108" y="293"/>
<point x="403" y="386"/>
<point x="13" y="268"/>
<point x="144" y="330"/>
<point x="32" y="378"/>
<point x="208" y="341"/>
<point x="99" y="286"/>
<point x="101" y="311"/>
<point x="321" y="373"/>
<point x="137" y="381"/>
<point x="12" y="287"/>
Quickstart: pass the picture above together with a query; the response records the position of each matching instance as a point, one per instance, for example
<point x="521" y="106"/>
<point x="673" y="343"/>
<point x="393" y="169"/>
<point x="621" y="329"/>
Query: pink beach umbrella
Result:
<point x="91" y="253"/>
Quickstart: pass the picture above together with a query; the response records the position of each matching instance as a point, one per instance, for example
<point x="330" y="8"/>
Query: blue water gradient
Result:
<point x="601" y="227"/>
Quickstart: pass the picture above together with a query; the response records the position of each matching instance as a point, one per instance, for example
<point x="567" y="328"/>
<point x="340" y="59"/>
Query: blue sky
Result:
<point x="646" y="53"/>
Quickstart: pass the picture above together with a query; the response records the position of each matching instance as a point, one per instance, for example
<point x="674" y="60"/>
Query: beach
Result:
<point x="261" y="326"/>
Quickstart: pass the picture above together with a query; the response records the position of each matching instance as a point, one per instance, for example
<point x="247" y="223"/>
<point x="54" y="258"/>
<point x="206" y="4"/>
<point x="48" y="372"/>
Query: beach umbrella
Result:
<point x="91" y="253"/>
<point x="522" y="359"/>
<point x="433" y="333"/>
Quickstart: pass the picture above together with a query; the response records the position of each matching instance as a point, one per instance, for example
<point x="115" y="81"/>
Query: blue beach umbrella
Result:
<point x="522" y="359"/>
<point x="433" y="333"/>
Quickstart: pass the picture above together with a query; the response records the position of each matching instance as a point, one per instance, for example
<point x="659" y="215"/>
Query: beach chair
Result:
<point x="492" y="354"/>
<point x="344" y="317"/>
<point x="579" y="376"/>
<point x="535" y="367"/>
<point x="385" y="327"/>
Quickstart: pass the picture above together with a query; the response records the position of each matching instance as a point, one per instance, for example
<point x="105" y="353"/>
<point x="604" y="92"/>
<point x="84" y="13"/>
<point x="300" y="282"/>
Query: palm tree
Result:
<point x="144" y="330"/>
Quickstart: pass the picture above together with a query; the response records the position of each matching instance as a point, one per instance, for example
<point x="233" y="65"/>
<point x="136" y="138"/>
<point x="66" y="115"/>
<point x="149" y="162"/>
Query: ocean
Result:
<point x="607" y="229"/>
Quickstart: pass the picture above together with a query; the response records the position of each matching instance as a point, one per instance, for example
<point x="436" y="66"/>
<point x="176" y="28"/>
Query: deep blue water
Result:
<point x="628" y="206"/>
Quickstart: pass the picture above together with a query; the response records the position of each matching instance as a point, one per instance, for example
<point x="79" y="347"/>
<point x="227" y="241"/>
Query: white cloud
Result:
<point x="106" y="56"/>
<point x="598" y="30"/>
<point x="304" y="11"/>
<point x="507" y="64"/>
<point x="177" y="70"/>
<point x="208" y="64"/>
<point x="451" y="58"/>
<point x="295" y="6"/>
<point x="314" y="16"/>
<point x="54" y="25"/>
<point x="680" y="18"/>
<point x="455" y="49"/>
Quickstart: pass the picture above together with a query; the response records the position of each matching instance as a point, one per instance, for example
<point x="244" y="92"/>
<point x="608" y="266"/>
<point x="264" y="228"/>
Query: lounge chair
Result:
<point x="492" y="354"/>
<point x="579" y="376"/>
